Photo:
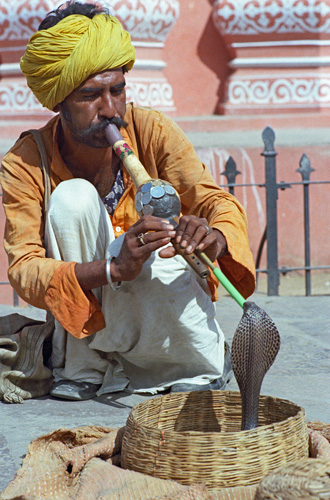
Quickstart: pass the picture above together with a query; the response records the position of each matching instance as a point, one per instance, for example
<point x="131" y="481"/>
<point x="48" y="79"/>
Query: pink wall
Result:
<point x="196" y="60"/>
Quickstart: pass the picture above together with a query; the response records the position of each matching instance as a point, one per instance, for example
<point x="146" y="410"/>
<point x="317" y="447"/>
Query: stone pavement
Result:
<point x="301" y="374"/>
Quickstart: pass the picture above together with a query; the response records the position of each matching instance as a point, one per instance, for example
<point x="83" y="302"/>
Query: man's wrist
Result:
<point x="115" y="285"/>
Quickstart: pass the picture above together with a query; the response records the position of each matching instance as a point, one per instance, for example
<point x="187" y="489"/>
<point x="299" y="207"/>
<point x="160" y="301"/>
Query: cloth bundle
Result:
<point x="23" y="373"/>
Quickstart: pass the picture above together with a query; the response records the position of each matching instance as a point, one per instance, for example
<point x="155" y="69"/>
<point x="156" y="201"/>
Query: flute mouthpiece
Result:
<point x="112" y="134"/>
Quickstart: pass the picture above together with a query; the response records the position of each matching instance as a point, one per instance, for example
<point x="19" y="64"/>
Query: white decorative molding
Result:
<point x="251" y="17"/>
<point x="144" y="19"/>
<point x="150" y="64"/>
<point x="10" y="69"/>
<point x="147" y="19"/>
<point x="281" y="43"/>
<point x="288" y="39"/>
<point x="153" y="92"/>
<point x="148" y="45"/>
<point x="283" y="90"/>
<point x="16" y="97"/>
<point x="280" y="62"/>
<point x="19" y="19"/>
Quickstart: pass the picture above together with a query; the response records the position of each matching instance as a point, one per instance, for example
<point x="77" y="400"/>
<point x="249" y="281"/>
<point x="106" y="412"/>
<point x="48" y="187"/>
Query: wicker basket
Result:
<point x="195" y="437"/>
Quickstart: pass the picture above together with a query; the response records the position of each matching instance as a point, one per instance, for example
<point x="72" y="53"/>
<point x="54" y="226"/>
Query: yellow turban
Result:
<point x="59" y="59"/>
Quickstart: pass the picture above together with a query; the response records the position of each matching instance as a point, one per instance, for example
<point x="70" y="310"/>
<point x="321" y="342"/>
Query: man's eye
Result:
<point x="117" y="91"/>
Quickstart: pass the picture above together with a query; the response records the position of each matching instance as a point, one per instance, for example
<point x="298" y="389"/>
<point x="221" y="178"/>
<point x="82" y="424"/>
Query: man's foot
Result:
<point x="74" y="391"/>
<point x="217" y="385"/>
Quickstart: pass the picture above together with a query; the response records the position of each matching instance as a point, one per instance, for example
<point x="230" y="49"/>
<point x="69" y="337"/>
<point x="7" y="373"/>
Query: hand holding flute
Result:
<point x="159" y="198"/>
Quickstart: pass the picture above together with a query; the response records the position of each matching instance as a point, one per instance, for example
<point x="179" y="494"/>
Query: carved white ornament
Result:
<point x="144" y="19"/>
<point x="19" y="19"/>
<point x="147" y="19"/>
<point x="17" y="97"/>
<point x="156" y="93"/>
<point x="251" y="17"/>
<point x="279" y="91"/>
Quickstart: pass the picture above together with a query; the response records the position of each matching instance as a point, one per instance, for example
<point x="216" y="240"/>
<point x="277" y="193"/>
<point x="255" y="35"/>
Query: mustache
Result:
<point x="99" y="127"/>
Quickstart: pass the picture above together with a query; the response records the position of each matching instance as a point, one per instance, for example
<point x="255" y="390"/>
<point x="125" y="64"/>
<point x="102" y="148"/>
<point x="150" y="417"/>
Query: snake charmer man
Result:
<point x="130" y="313"/>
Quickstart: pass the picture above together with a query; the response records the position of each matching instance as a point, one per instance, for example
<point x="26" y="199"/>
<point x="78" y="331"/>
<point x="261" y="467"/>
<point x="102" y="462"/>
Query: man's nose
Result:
<point x="107" y="108"/>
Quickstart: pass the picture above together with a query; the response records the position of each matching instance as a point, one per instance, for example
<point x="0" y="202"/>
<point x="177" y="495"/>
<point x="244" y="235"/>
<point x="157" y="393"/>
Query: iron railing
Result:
<point x="270" y="233"/>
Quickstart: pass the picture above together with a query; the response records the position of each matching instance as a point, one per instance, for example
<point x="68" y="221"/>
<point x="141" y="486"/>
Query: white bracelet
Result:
<point x="117" y="284"/>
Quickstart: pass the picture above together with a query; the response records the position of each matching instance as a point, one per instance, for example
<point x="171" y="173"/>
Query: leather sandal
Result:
<point x="74" y="391"/>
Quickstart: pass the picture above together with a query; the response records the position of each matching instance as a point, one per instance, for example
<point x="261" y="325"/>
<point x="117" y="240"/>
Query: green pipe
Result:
<point x="222" y="278"/>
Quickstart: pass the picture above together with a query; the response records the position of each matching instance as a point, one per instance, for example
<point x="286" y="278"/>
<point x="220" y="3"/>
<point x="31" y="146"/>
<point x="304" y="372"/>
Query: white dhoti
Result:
<point x="160" y="327"/>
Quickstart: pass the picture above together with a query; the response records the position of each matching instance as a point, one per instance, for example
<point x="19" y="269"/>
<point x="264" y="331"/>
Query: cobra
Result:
<point x="255" y="345"/>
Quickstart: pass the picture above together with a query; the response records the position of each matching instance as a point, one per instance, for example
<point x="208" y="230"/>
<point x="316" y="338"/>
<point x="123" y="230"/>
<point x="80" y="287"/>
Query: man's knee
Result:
<point x="74" y="196"/>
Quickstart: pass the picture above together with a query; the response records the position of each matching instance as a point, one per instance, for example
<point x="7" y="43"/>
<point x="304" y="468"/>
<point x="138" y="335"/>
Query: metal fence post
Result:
<point x="231" y="173"/>
<point x="305" y="170"/>
<point x="268" y="137"/>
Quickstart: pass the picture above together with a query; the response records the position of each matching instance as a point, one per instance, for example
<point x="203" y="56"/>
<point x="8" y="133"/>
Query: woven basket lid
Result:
<point x="307" y="479"/>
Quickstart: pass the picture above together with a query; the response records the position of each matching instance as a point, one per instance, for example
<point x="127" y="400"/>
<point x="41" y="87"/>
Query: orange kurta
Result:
<point x="166" y="153"/>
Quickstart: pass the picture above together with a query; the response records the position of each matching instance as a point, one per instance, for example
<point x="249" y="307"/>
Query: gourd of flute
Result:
<point x="154" y="196"/>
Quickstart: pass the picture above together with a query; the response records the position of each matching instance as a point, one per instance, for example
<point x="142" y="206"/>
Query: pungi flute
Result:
<point x="154" y="196"/>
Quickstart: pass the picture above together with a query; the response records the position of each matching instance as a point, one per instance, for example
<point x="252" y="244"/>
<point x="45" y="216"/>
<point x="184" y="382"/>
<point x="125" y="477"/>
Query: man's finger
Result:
<point x="146" y="249"/>
<point x="150" y="237"/>
<point x="194" y="234"/>
<point x="167" y="252"/>
<point x="150" y="223"/>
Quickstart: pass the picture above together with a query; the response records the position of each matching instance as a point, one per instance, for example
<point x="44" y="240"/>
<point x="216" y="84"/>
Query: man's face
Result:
<point x="98" y="101"/>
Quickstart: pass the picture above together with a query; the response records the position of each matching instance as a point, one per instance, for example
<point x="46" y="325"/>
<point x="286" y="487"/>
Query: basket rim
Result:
<point x="300" y="413"/>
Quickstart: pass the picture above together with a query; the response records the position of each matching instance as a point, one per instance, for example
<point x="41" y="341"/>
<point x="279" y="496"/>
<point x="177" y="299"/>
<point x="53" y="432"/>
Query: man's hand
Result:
<point x="144" y="237"/>
<point x="193" y="231"/>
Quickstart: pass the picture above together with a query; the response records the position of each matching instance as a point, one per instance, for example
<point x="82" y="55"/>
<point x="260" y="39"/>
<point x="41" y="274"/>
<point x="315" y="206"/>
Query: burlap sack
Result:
<point x="81" y="464"/>
<point x="77" y="464"/>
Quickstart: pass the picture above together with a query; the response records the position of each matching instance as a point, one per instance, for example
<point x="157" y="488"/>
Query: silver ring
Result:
<point x="140" y="237"/>
<point x="208" y="229"/>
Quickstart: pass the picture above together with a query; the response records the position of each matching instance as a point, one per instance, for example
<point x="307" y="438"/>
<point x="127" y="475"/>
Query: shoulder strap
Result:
<point x="44" y="165"/>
